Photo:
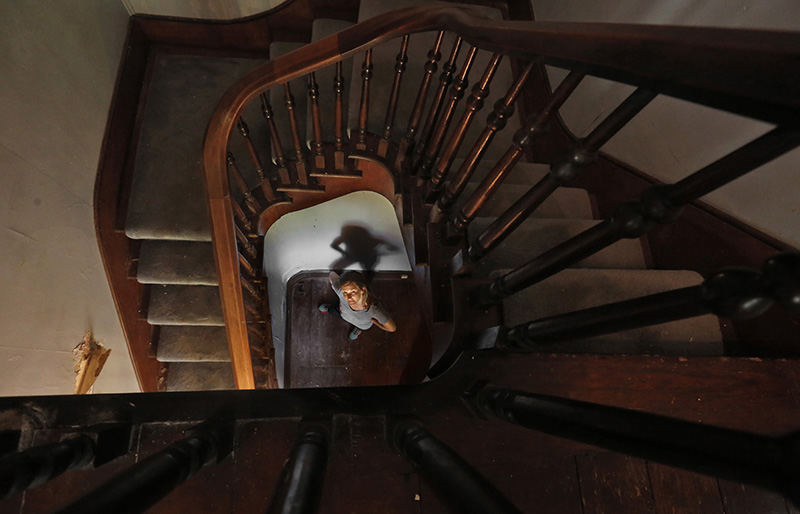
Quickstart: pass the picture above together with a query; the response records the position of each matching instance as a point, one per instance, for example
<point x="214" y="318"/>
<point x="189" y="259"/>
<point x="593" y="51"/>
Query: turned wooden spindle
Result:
<point x="522" y="138"/>
<point x="241" y="217"/>
<point x="391" y="109"/>
<point x="363" y="111"/>
<point x="339" y="128"/>
<point x="245" y="244"/>
<point x="407" y="143"/>
<point x="495" y="122"/>
<point x="263" y="182"/>
<point x="299" y="154"/>
<point x="473" y="104"/>
<point x="249" y="200"/>
<point x="244" y="262"/>
<point x="255" y="314"/>
<point x="445" y="79"/>
<point x="277" y="148"/>
<point x="250" y="288"/>
<point x="448" y="111"/>
<point x="316" y="123"/>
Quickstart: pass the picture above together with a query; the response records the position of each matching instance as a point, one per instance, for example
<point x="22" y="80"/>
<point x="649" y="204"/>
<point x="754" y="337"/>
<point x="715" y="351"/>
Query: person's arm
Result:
<point x="332" y="277"/>
<point x="388" y="326"/>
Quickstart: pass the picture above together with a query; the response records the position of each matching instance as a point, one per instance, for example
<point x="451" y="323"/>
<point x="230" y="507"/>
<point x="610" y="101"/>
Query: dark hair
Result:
<point x="356" y="278"/>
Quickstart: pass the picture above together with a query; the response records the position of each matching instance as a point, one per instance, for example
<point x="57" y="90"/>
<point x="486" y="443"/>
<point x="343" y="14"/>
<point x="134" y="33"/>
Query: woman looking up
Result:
<point x="355" y="305"/>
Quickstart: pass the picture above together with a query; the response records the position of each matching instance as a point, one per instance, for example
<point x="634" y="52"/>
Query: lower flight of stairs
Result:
<point x="168" y="212"/>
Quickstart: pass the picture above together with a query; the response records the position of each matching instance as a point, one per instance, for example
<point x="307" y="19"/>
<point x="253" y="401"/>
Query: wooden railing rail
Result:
<point x="604" y="50"/>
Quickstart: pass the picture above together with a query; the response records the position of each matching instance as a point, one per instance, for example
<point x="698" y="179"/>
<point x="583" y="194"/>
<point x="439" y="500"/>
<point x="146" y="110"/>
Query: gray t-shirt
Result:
<point x="361" y="319"/>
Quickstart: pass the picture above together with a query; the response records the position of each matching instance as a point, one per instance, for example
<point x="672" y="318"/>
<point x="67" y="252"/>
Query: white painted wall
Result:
<point x="672" y="138"/>
<point x="201" y="9"/>
<point x="58" y="64"/>
<point x="301" y="241"/>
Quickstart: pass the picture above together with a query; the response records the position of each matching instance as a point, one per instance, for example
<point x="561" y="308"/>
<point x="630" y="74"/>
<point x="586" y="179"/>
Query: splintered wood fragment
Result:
<point x="90" y="356"/>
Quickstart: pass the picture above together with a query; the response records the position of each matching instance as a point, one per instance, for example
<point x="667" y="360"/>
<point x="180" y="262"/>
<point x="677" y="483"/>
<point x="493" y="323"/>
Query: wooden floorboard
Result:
<point x="319" y="353"/>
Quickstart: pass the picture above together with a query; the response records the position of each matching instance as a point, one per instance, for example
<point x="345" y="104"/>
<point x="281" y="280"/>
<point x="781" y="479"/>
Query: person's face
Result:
<point x="354" y="296"/>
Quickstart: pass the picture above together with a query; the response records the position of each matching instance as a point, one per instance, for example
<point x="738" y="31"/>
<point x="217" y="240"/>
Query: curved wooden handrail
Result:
<point x="755" y="73"/>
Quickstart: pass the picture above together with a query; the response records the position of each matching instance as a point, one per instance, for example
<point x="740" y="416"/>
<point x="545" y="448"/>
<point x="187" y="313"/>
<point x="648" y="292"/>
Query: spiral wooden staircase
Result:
<point x="544" y="299"/>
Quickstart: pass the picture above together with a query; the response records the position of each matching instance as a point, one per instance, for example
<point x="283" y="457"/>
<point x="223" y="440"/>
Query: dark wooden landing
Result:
<point x="319" y="354"/>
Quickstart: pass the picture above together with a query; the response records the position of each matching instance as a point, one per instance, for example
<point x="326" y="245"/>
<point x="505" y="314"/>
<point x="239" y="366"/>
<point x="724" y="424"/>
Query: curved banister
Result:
<point x="754" y="73"/>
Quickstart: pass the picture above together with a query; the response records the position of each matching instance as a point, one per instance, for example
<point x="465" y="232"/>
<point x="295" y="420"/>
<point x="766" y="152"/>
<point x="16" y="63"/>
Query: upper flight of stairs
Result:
<point x="168" y="212"/>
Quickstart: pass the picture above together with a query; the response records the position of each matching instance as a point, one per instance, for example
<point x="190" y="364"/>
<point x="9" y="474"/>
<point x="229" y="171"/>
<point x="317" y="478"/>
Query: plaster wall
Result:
<point x="58" y="64"/>
<point x="672" y="138"/>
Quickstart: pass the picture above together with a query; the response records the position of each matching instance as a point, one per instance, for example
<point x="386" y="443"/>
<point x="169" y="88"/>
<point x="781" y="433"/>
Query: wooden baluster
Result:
<point x="266" y="185"/>
<point x="280" y="159"/>
<point x="474" y="104"/>
<point x="245" y="243"/>
<point x="254" y="312"/>
<point x="561" y="172"/>
<point x="407" y="143"/>
<point x="456" y="480"/>
<point x="339" y="128"/>
<point x="677" y="443"/>
<point x="657" y="205"/>
<point x="249" y="200"/>
<point x="299" y="486"/>
<point x="495" y="122"/>
<point x="391" y="109"/>
<point x="241" y="217"/>
<point x="522" y="138"/>
<point x="448" y="111"/>
<point x="244" y="262"/>
<point x="363" y="111"/>
<point x="250" y="288"/>
<point x="299" y="155"/>
<point x="316" y="123"/>
<point x="448" y="72"/>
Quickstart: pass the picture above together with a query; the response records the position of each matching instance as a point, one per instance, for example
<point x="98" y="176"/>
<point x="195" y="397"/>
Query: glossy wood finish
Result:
<point x="473" y="104"/>
<point x="363" y="110"/>
<point x="408" y="141"/>
<point x="263" y="182"/>
<point x="299" y="155"/>
<point x="241" y="218"/>
<point x="112" y="186"/>
<point x="509" y="220"/>
<point x="394" y="96"/>
<point x="446" y="115"/>
<point x="249" y="200"/>
<point x="275" y="139"/>
<point x="339" y="129"/>
<point x="495" y="122"/>
<point x="316" y="123"/>
<point x="445" y="79"/>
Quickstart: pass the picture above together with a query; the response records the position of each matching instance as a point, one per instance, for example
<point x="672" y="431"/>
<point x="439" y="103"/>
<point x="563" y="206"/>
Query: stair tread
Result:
<point x="180" y="343"/>
<point x="199" y="376"/>
<point x="184" y="305"/>
<point x="419" y="44"/>
<point x="565" y="202"/>
<point x="320" y="29"/>
<point x="574" y="289"/>
<point x="176" y="262"/>
<point x="167" y="199"/>
<point x="277" y="99"/>
<point x="537" y="235"/>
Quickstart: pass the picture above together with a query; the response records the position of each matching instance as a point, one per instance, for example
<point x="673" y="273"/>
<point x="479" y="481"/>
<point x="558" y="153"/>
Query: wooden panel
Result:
<point x="747" y="499"/>
<point x="110" y="197"/>
<point x="613" y="483"/>
<point x="682" y="492"/>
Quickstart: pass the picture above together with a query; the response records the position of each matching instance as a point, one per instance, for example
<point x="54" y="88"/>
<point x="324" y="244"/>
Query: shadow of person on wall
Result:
<point x="358" y="245"/>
